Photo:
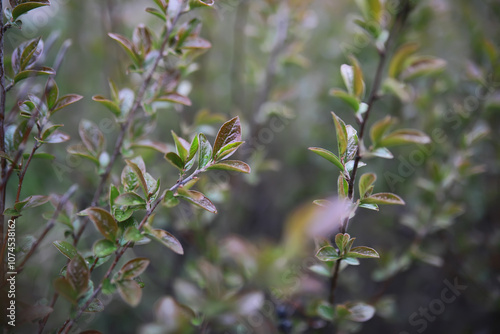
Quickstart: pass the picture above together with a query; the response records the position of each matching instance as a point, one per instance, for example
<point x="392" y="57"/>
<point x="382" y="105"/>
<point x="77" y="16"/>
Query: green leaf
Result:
<point x="91" y="136"/>
<point x="112" y="106"/>
<point x="380" y="152"/>
<point x="365" y="182"/>
<point x="205" y="154"/>
<point x="327" y="253"/>
<point x="132" y="234"/>
<point x="130" y="199"/>
<point x="399" y="59"/>
<point x="351" y="100"/>
<point x="342" y="187"/>
<point x="127" y="46"/>
<point x="373" y="207"/>
<point x="363" y="252"/>
<point x="166" y="239"/>
<point x="133" y="268"/>
<point x="33" y="73"/>
<point x="341" y="241"/>
<point x="228" y="150"/>
<point x="182" y="147"/>
<point x="139" y="171"/>
<point x="66" y="249"/>
<point x="65" y="101"/>
<point x="383" y="198"/>
<point x="404" y="136"/>
<point x="156" y="13"/>
<point x="104" y="247"/>
<point x="232" y="165"/>
<point x="26" y="7"/>
<point x="130" y="292"/>
<point x="170" y="200"/>
<point x="31" y="202"/>
<point x="341" y="131"/>
<point x="78" y="274"/>
<point x="197" y="198"/>
<point x="193" y="148"/>
<point x="328" y="156"/>
<point x="81" y="151"/>
<point x="55" y="137"/>
<point x="175" y="160"/>
<point x="326" y="311"/>
<point x="103" y="221"/>
<point x="351" y="261"/>
<point x="229" y="132"/>
<point x="379" y="128"/>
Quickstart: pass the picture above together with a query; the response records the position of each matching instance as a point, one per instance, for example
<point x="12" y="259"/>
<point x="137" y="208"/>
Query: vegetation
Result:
<point x="161" y="164"/>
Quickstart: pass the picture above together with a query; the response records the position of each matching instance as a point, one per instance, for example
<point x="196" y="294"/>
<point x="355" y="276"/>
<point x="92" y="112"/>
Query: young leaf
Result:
<point x="400" y="57"/>
<point x="327" y="253"/>
<point x="404" y="136"/>
<point x="65" y="101"/>
<point x="365" y="181"/>
<point x="228" y="150"/>
<point x="363" y="252"/>
<point x="339" y="241"/>
<point x="112" y="106"/>
<point x="383" y="198"/>
<point x="170" y="200"/>
<point x="232" y="165"/>
<point x="342" y="187"/>
<point x="133" y="268"/>
<point x="341" y="134"/>
<point x="139" y="170"/>
<point x="182" y="147"/>
<point x="33" y="73"/>
<point x="166" y="239"/>
<point x="229" y="132"/>
<point x="197" y="198"/>
<point x="25" y="7"/>
<point x="104" y="247"/>
<point x="66" y="249"/>
<point x="349" y="99"/>
<point x="92" y="137"/>
<point x="127" y="46"/>
<point x="51" y="92"/>
<point x="423" y="66"/>
<point x="380" y="128"/>
<point x="103" y="220"/>
<point x="130" y="199"/>
<point x="205" y="154"/>
<point x="358" y="83"/>
<point x="175" y="160"/>
<point x="175" y="98"/>
<point x="193" y="148"/>
<point x="130" y="292"/>
<point x="328" y="156"/>
<point x="78" y="274"/>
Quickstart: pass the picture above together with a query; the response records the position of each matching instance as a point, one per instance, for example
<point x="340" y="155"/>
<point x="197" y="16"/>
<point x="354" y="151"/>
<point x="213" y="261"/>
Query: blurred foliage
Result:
<point x="252" y="267"/>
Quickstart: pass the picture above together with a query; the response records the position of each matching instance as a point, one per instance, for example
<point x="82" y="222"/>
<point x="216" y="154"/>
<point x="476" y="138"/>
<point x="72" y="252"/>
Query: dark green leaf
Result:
<point x="137" y="166"/>
<point x="175" y="160"/>
<point x="130" y="199"/>
<point x="193" y="148"/>
<point x="64" y="288"/>
<point x="182" y="147"/>
<point x="51" y="92"/>
<point x="26" y="7"/>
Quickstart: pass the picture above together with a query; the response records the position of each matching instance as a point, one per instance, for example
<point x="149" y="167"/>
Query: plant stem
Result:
<point x="119" y="253"/>
<point x="125" y="126"/>
<point x="372" y="97"/>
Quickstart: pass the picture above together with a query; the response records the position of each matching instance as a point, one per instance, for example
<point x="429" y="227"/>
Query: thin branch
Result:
<point x="125" y="126"/>
<point x="119" y="253"/>
<point x="373" y="96"/>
